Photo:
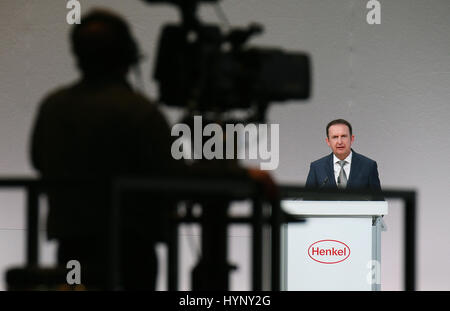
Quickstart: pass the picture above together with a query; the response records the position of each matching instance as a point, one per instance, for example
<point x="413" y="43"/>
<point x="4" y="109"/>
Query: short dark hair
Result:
<point x="103" y="40"/>
<point x="340" y="121"/>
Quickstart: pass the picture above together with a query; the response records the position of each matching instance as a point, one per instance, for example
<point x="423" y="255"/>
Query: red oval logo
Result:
<point x="328" y="251"/>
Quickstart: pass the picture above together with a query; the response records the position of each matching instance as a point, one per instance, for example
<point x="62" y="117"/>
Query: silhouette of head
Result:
<point x="103" y="44"/>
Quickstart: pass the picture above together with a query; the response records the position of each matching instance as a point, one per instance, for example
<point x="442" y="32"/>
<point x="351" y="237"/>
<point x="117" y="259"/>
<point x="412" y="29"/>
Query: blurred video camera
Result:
<point x="200" y="68"/>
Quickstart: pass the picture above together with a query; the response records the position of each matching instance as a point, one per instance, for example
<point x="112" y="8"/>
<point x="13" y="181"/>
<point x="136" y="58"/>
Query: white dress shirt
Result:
<point x="337" y="166"/>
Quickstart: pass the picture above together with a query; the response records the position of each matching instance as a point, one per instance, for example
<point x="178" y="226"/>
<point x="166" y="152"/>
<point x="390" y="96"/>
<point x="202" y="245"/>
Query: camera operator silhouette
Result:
<point x="100" y="128"/>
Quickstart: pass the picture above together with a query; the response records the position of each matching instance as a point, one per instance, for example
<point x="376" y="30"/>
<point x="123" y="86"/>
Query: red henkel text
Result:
<point x="329" y="252"/>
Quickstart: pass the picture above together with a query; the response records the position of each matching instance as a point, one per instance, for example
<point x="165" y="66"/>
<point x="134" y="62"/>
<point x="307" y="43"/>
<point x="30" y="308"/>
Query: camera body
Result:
<point x="201" y="68"/>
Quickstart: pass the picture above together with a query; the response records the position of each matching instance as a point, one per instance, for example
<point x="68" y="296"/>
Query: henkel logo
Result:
<point x="329" y="251"/>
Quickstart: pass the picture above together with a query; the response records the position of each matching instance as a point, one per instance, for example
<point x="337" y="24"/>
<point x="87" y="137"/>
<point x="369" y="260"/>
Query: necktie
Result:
<point x="342" y="178"/>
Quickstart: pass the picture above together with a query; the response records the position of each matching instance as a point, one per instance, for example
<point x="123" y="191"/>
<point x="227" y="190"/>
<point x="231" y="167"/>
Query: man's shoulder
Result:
<point x="322" y="160"/>
<point x="355" y="156"/>
<point x="59" y="92"/>
<point x="114" y="94"/>
<point x="362" y="158"/>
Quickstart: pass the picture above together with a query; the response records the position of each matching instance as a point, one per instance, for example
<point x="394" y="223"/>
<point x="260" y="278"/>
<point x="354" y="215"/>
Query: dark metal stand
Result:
<point x="182" y="189"/>
<point x="211" y="273"/>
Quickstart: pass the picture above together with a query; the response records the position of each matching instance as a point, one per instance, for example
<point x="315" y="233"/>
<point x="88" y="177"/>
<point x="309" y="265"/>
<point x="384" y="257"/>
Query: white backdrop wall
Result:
<point x="391" y="81"/>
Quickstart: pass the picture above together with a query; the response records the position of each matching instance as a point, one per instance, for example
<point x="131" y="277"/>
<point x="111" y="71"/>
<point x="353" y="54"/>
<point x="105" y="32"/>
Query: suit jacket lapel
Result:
<point x="330" y="170"/>
<point x="354" y="167"/>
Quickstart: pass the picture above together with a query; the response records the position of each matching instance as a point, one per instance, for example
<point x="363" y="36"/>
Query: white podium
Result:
<point x="338" y="247"/>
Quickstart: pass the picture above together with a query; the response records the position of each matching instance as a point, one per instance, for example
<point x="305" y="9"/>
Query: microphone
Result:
<point x="324" y="182"/>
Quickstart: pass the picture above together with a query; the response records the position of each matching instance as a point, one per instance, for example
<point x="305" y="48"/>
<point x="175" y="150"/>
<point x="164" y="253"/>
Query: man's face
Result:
<point x="340" y="140"/>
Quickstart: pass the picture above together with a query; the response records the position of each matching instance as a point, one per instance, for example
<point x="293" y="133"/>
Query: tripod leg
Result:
<point x="212" y="272"/>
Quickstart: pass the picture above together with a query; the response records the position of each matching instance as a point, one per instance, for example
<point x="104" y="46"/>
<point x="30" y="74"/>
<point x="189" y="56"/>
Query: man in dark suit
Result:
<point x="343" y="168"/>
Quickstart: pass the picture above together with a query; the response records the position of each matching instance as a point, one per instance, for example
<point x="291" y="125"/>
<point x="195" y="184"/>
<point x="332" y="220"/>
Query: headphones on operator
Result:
<point x="103" y="39"/>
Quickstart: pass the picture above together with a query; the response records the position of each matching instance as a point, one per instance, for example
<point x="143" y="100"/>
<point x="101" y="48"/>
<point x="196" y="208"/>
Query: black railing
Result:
<point x="197" y="189"/>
